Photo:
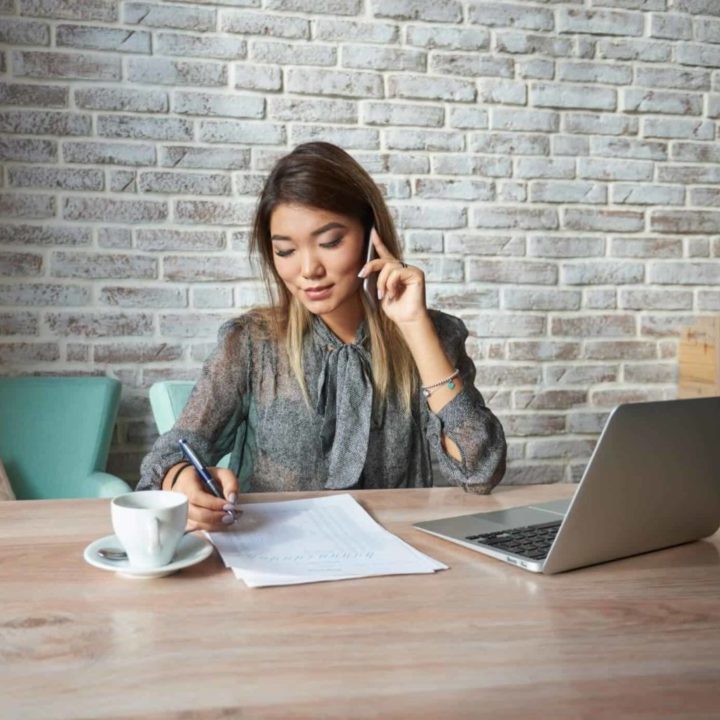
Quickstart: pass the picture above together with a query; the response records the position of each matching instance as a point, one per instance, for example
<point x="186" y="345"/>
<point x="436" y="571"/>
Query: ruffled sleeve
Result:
<point x="466" y="420"/>
<point x="215" y="408"/>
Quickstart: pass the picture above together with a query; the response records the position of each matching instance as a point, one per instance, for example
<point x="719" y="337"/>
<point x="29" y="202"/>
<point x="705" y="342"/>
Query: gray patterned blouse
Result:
<point x="247" y="402"/>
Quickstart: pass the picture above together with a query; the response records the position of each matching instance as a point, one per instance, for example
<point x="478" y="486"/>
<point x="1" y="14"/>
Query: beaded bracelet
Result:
<point x="428" y="390"/>
<point x="177" y="474"/>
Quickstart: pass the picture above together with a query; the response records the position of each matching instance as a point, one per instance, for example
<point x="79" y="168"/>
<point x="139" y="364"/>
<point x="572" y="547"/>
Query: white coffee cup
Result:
<point x="149" y="524"/>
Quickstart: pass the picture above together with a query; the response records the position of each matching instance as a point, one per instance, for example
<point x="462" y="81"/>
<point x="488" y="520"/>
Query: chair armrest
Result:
<point x="101" y="484"/>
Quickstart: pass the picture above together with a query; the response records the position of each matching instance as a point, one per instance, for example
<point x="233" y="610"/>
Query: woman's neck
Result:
<point x="345" y="320"/>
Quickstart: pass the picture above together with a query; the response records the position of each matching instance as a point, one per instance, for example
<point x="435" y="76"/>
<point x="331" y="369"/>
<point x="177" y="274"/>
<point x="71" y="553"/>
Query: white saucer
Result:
<point x="191" y="550"/>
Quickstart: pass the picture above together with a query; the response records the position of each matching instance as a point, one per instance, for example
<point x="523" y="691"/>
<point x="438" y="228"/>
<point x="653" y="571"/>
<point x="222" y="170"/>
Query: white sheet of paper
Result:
<point x="314" y="540"/>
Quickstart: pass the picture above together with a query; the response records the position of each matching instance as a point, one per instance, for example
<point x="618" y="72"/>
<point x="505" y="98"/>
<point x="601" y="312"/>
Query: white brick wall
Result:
<point x="552" y="166"/>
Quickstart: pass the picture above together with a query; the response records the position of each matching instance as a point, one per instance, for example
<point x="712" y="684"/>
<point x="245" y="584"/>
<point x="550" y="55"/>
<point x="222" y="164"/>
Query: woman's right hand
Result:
<point x="205" y="511"/>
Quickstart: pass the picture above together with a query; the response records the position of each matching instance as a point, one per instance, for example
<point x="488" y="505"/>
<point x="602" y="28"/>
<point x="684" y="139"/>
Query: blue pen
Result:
<point x="203" y="472"/>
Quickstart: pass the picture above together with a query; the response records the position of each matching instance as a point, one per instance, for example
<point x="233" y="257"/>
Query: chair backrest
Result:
<point x="167" y="400"/>
<point x="55" y="431"/>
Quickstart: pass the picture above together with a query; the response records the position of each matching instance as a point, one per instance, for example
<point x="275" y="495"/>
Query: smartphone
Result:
<point x="370" y="282"/>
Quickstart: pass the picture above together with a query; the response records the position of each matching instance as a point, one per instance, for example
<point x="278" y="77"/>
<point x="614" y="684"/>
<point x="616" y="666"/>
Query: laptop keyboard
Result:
<point x="533" y="541"/>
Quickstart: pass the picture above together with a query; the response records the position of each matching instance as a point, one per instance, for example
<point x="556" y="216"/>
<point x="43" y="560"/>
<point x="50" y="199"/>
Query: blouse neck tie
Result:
<point x="345" y="404"/>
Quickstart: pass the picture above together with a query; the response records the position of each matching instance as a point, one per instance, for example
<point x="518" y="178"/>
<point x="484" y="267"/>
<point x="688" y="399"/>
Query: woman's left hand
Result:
<point x="401" y="287"/>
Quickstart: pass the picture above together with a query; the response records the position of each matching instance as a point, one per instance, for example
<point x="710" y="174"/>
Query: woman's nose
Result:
<point x="311" y="266"/>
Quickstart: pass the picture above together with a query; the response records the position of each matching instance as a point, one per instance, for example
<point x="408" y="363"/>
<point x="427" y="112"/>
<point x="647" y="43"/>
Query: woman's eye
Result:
<point x="284" y="253"/>
<point x="332" y="243"/>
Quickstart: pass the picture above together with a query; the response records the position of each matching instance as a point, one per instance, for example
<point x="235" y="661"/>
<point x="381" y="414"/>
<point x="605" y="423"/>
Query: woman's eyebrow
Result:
<point x="314" y="233"/>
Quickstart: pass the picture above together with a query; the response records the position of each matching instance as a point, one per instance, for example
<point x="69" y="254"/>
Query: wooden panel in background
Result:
<point x="699" y="359"/>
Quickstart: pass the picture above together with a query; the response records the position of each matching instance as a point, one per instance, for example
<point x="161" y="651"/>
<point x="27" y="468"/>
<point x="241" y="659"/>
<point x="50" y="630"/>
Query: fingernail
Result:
<point x="380" y="294"/>
<point x="228" y="519"/>
<point x="232" y="498"/>
<point x="227" y="507"/>
<point x="362" y="273"/>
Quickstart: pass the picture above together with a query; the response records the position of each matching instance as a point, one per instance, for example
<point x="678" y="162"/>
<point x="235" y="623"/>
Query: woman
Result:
<point x="329" y="388"/>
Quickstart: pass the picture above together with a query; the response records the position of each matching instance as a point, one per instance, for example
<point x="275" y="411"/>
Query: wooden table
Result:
<point x="638" y="637"/>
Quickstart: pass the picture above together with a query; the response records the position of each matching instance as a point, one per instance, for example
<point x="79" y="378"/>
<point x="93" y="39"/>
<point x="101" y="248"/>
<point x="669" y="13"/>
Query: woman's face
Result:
<point x="318" y="255"/>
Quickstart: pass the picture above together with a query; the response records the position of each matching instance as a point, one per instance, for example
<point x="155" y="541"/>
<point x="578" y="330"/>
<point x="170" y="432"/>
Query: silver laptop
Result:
<point x="653" y="481"/>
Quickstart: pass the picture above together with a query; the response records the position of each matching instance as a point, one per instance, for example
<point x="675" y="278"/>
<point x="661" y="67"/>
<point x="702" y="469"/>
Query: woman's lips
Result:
<point x="319" y="293"/>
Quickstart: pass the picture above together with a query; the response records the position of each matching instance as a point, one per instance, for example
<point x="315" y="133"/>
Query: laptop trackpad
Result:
<point x="557" y="507"/>
<point x="479" y="523"/>
<point x="521" y="516"/>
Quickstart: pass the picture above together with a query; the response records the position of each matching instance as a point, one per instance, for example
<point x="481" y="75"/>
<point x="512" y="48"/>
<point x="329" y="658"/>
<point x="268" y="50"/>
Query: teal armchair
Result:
<point x="55" y="435"/>
<point x="167" y="400"/>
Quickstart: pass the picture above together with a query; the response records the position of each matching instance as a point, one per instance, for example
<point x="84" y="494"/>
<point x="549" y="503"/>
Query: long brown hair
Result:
<point x="323" y="176"/>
